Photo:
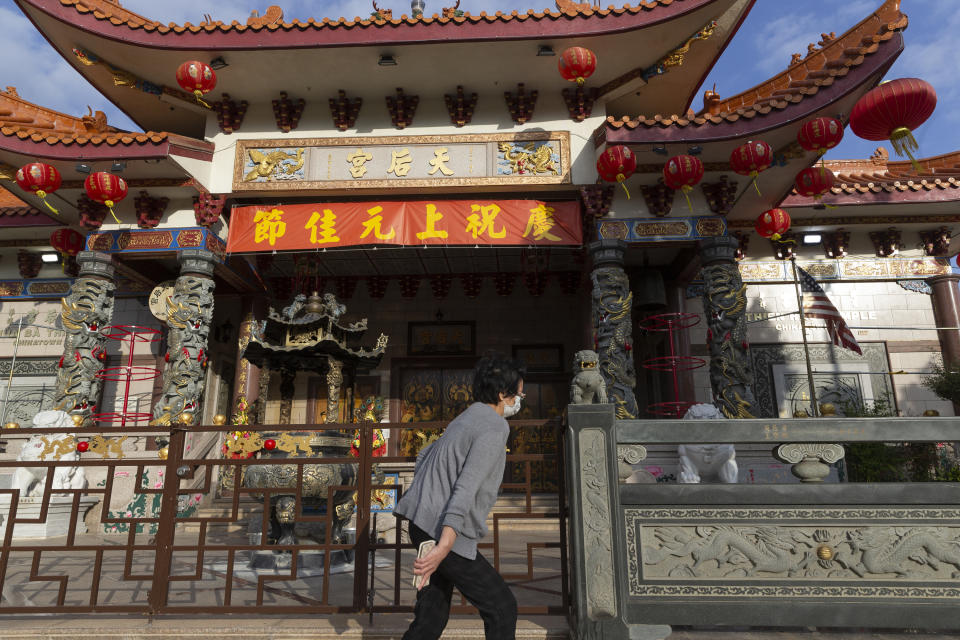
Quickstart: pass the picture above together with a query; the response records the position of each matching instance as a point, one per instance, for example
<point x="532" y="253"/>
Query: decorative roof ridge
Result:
<point x="768" y="96"/>
<point x="272" y="19"/>
<point x="15" y="111"/>
<point x="853" y="43"/>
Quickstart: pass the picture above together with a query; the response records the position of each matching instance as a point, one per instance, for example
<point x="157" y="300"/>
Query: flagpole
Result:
<point x="803" y="330"/>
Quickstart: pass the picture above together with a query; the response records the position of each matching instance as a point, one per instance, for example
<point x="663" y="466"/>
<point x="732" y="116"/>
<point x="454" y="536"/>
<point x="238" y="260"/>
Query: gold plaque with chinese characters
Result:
<point x="403" y="161"/>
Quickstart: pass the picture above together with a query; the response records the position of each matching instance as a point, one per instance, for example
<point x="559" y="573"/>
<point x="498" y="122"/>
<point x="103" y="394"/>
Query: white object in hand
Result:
<point x="425" y="547"/>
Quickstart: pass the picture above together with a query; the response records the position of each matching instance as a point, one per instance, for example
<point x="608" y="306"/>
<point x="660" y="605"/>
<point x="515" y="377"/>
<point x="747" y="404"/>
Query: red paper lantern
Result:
<point x="576" y="64"/>
<point x="616" y="164"/>
<point x="197" y="77"/>
<point x="40" y="178"/>
<point x="892" y="110"/>
<point x="106" y="188"/>
<point x="820" y="134"/>
<point x="66" y="241"/>
<point x="750" y="158"/>
<point x="773" y="224"/>
<point x="683" y="173"/>
<point x="814" y="182"/>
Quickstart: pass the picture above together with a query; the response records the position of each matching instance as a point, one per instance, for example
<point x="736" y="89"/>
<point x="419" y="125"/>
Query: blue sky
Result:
<point x="772" y="32"/>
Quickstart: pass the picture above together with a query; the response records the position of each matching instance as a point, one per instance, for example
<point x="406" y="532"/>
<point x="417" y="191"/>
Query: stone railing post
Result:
<point x="86" y="311"/>
<point x="810" y="461"/>
<point x="190" y="311"/>
<point x="611" y="303"/>
<point x="724" y="304"/>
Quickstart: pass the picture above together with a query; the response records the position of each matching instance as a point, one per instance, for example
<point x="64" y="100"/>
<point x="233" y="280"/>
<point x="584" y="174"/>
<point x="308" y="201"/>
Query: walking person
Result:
<point x="455" y="485"/>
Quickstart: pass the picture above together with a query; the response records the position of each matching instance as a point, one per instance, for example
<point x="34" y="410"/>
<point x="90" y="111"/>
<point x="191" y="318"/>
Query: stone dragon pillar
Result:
<point x="613" y="324"/>
<point x="85" y="312"/>
<point x="724" y="304"/>
<point x="246" y="380"/>
<point x="189" y="312"/>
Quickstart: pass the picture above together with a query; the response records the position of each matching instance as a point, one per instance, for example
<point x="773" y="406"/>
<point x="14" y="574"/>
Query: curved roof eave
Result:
<point x="107" y="20"/>
<point x="121" y="146"/>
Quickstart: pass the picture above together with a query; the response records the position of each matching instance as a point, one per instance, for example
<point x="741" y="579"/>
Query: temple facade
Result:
<point x="457" y="207"/>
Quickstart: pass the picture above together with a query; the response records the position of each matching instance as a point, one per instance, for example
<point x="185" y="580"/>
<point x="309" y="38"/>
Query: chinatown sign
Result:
<point x="436" y="222"/>
<point x="534" y="158"/>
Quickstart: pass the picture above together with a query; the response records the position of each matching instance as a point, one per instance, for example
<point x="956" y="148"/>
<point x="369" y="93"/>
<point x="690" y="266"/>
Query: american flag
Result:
<point x="816" y="304"/>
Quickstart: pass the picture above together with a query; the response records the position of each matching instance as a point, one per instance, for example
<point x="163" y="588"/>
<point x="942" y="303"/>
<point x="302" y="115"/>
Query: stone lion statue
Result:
<point x="710" y="461"/>
<point x="588" y="385"/>
<point x="31" y="480"/>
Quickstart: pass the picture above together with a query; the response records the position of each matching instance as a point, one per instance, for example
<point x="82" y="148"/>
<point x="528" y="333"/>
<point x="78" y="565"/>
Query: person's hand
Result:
<point x="426" y="565"/>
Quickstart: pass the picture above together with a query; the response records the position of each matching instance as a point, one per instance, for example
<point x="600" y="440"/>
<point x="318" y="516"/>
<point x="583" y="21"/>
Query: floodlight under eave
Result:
<point x="812" y="238"/>
<point x="387" y="61"/>
<point x="49" y="257"/>
<point x="219" y="63"/>
<point x="545" y="50"/>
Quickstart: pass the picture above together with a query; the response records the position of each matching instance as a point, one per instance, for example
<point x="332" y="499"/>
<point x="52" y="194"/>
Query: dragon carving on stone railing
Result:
<point x="84" y="313"/>
<point x="189" y="312"/>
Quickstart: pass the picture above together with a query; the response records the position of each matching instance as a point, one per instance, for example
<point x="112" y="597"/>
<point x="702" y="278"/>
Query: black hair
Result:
<point x="495" y="374"/>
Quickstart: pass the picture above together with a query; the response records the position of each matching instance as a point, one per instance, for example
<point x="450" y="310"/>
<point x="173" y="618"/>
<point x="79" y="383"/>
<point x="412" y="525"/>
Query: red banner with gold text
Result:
<point x="438" y="222"/>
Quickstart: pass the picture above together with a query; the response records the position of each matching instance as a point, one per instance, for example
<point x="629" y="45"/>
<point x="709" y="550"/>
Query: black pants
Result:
<point x="479" y="583"/>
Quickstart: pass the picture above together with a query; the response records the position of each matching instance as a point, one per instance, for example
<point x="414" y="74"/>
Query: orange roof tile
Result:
<point x="110" y="10"/>
<point x="17" y="112"/>
<point x="877" y="174"/>
<point x="7" y="199"/>
<point x="803" y="79"/>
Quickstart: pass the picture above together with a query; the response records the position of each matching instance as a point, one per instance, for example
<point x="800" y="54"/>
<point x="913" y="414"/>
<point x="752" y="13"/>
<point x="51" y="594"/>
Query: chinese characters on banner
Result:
<point x="441" y="222"/>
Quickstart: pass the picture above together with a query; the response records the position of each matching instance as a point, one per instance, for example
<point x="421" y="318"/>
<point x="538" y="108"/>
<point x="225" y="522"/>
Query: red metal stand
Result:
<point x="131" y="335"/>
<point x="670" y="323"/>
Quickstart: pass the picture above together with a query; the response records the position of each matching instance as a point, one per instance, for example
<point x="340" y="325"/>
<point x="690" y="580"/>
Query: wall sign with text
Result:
<point x="403" y="161"/>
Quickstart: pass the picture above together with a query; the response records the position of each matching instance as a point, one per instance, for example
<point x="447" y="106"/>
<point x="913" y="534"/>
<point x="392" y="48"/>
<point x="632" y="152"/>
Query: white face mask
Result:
<point x="510" y="410"/>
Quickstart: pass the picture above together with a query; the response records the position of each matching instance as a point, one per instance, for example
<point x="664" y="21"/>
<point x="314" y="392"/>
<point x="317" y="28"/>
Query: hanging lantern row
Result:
<point x="106" y="189"/>
<point x="892" y="110"/>
<point x="616" y="164"/>
<point x="750" y="159"/>
<point x="198" y="78"/>
<point x="40" y="178"/>
<point x="683" y="173"/>
<point x="576" y="64"/>
<point x="66" y="242"/>
<point x="813" y="182"/>
<point x="773" y="224"/>
<point x="820" y="135"/>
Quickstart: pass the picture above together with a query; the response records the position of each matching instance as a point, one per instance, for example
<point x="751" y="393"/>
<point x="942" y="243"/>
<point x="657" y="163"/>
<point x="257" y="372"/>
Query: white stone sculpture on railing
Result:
<point x="706" y="461"/>
<point x="31" y="480"/>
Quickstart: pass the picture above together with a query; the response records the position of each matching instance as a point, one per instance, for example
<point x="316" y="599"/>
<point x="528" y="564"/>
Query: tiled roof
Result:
<point x="110" y="10"/>
<point x="878" y="175"/>
<point x="11" y="205"/>
<point x="804" y="78"/>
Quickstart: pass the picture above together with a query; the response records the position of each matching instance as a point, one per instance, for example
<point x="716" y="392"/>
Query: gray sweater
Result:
<point x="457" y="478"/>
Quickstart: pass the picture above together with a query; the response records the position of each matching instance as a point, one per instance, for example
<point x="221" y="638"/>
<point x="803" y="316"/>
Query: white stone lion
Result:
<point x="711" y="461"/>
<point x="31" y="480"/>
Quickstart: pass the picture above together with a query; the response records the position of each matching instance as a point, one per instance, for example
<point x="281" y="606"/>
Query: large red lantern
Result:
<point x="40" y="178"/>
<point x="683" y="173"/>
<point x="813" y="182"/>
<point x="820" y="134"/>
<point x="66" y="241"/>
<point x="577" y="64"/>
<point x="616" y="164"/>
<point x="750" y="158"/>
<point x="773" y="224"/>
<point x="107" y="189"/>
<point x="892" y="110"/>
<point x="197" y="77"/>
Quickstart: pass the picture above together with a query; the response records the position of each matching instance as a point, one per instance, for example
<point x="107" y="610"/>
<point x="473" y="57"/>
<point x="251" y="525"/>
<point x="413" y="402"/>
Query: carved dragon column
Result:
<point x="724" y="304"/>
<point x="288" y="388"/>
<point x="189" y="312"/>
<point x="86" y="311"/>
<point x="246" y="381"/>
<point x="334" y="384"/>
<point x="613" y="324"/>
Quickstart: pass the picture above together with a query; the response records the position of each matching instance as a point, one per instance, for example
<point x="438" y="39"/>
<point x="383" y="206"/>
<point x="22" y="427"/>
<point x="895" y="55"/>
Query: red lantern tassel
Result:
<point x="109" y="204"/>
<point x="904" y="144"/>
<point x="686" y="189"/>
<point x="199" y="95"/>
<point x="622" y="179"/>
<point x="43" y="197"/>
<point x="755" y="175"/>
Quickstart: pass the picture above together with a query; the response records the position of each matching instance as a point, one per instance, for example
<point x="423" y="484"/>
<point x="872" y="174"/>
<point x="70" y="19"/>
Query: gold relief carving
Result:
<point x="145" y="240"/>
<point x="865" y="268"/>
<point x="216" y="245"/>
<point x="107" y="446"/>
<point x="270" y="165"/>
<point x="533" y="158"/>
<point x="614" y="229"/>
<point x="821" y="269"/>
<point x="7" y="172"/>
<point x="58" y="447"/>
<point x="190" y="238"/>
<point x="100" y="242"/>
<point x="928" y="267"/>
<point x="50" y="287"/>
<point x="761" y="271"/>
<point x="676" y="57"/>
<point x="293" y="444"/>
<point x="11" y="288"/>
<point x="710" y="227"/>
<point x="242" y="446"/>
<point x="646" y="229"/>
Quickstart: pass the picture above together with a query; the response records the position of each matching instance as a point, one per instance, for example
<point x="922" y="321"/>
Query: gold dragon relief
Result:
<point x="265" y="165"/>
<point x="531" y="158"/>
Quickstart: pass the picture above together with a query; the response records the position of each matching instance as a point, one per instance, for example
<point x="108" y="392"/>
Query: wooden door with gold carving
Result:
<point x="429" y="395"/>
<point x="546" y="397"/>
